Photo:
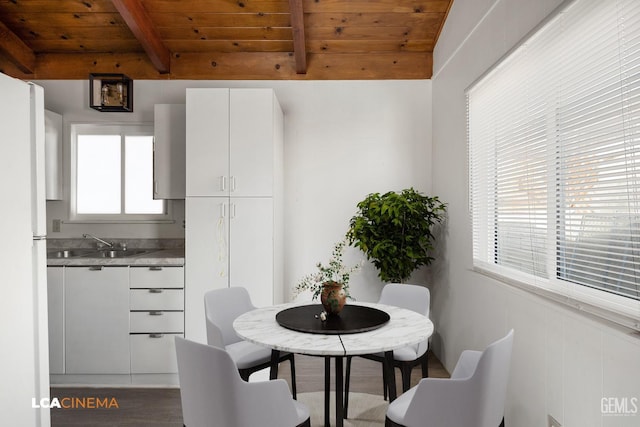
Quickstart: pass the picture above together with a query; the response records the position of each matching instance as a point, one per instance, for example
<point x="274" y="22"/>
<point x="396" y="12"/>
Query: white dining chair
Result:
<point x="213" y="394"/>
<point x="414" y="298"/>
<point x="222" y="307"/>
<point x="474" y="396"/>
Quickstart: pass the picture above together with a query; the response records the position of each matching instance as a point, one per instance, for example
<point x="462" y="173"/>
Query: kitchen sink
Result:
<point x="95" y="253"/>
<point x="69" y="253"/>
<point x="122" y="253"/>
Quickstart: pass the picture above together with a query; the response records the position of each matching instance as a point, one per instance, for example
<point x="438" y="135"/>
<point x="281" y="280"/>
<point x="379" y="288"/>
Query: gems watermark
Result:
<point x="619" y="406"/>
<point x="75" y="403"/>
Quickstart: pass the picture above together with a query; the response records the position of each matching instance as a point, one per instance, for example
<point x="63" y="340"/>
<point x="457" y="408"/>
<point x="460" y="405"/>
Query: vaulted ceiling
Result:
<point x="220" y="39"/>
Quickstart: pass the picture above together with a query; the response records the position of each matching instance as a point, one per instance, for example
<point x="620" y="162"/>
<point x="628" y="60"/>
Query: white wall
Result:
<point x="564" y="362"/>
<point x="343" y="140"/>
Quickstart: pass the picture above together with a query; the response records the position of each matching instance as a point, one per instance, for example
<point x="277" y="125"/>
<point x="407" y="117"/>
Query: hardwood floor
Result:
<point x="147" y="407"/>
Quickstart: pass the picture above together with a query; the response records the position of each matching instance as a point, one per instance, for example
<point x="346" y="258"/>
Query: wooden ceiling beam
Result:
<point x="234" y="66"/>
<point x="281" y="66"/>
<point x="141" y="26"/>
<point x="16" y="50"/>
<point x="297" y="28"/>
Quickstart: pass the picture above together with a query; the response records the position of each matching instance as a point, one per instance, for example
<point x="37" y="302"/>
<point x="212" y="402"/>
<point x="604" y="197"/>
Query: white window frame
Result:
<point x="618" y="309"/>
<point x="129" y="129"/>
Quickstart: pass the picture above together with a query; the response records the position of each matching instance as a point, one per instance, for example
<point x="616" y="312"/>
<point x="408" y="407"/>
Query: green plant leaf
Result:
<point x="394" y="230"/>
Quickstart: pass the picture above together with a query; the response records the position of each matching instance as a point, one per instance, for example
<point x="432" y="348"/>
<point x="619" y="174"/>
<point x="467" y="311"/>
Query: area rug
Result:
<point x="364" y="409"/>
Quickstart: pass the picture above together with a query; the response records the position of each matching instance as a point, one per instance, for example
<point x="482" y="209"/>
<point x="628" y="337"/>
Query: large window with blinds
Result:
<point x="554" y="155"/>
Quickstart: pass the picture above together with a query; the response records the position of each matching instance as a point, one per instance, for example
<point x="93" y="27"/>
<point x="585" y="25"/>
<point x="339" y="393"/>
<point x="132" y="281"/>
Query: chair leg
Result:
<point x="274" y="364"/>
<point x="293" y="376"/>
<point x="405" y="370"/>
<point x="502" y="423"/>
<point x="347" y="377"/>
<point x="424" y="364"/>
<point x="384" y="383"/>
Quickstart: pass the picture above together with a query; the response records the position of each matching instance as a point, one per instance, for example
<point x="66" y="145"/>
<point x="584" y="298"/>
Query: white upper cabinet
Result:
<point x="234" y="132"/>
<point x="53" y="155"/>
<point x="208" y="136"/>
<point x="251" y="142"/>
<point x="169" y="151"/>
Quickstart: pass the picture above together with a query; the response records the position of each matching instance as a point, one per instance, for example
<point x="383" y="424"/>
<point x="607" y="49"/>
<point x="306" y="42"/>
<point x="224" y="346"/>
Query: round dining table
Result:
<point x="403" y="328"/>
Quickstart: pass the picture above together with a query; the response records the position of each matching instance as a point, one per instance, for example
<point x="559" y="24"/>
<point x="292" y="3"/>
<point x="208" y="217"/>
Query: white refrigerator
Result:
<point x="24" y="354"/>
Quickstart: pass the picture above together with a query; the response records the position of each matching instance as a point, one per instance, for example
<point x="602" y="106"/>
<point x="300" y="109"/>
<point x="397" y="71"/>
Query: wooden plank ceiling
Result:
<point x="220" y="39"/>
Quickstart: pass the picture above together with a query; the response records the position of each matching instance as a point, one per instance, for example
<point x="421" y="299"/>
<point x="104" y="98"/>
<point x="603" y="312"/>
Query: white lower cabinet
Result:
<point x="156" y="321"/>
<point x="157" y="276"/>
<point x="157" y="317"/>
<point x="157" y="299"/>
<point x="153" y="353"/>
<point x="97" y="320"/>
<point x="114" y="320"/>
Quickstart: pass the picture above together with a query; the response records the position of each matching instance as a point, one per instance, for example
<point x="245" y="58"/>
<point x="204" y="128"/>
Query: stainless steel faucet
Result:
<point x="110" y="245"/>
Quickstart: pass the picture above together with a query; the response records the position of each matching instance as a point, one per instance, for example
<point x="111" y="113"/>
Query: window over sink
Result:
<point x="112" y="174"/>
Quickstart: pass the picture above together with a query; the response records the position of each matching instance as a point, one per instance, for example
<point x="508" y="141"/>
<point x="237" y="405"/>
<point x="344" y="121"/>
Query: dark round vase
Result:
<point x="333" y="297"/>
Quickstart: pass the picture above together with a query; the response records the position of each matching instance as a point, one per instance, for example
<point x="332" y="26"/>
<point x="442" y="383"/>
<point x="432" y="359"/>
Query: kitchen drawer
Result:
<point x="156" y="277"/>
<point x="153" y="353"/>
<point x="156" y="299"/>
<point x="157" y="321"/>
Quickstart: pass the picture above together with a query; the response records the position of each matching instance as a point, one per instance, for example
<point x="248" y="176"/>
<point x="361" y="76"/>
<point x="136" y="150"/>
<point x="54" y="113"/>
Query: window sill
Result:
<point x="600" y="312"/>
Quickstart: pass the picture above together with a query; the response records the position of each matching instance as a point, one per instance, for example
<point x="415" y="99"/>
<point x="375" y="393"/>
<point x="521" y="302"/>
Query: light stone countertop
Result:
<point x="169" y="252"/>
<point x="167" y="257"/>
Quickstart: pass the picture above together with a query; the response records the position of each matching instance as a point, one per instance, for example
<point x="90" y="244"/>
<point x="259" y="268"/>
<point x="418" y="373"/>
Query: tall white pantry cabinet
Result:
<point x="234" y="186"/>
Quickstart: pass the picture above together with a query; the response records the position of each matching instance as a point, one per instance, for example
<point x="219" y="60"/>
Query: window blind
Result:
<point x="554" y="147"/>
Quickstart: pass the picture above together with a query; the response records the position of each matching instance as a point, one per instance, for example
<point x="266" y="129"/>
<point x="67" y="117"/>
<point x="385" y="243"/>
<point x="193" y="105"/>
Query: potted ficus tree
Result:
<point x="395" y="231"/>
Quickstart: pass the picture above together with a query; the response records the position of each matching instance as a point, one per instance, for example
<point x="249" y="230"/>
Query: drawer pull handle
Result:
<point x="155" y="291"/>
<point x="96" y="268"/>
<point x="156" y="335"/>
<point x="155" y="313"/>
<point x="155" y="268"/>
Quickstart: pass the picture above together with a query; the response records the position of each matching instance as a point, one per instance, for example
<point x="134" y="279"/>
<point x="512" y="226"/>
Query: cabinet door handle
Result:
<point x="155" y="313"/>
<point x="156" y="335"/>
<point x="233" y="210"/>
<point x="155" y="291"/>
<point x="155" y="268"/>
<point x="222" y="210"/>
<point x="233" y="183"/>
<point x="223" y="183"/>
<point x="155" y="187"/>
<point x="96" y="268"/>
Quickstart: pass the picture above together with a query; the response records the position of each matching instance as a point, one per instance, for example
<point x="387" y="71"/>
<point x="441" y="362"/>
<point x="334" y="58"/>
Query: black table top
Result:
<point x="352" y="319"/>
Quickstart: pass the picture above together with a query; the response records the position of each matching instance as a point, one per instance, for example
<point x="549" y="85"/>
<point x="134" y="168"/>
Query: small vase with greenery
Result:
<point x="331" y="282"/>
<point x="395" y="231"/>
